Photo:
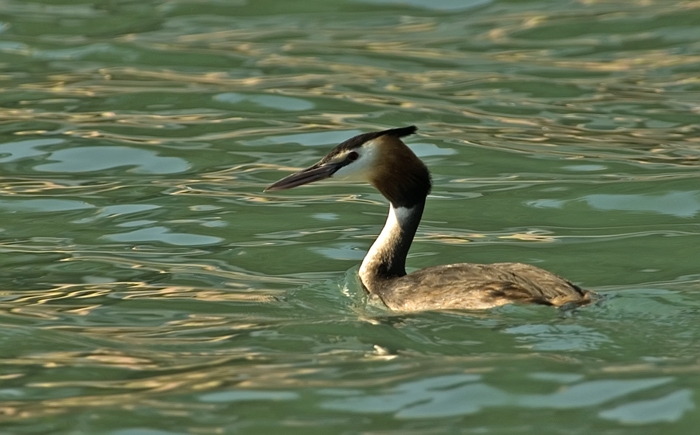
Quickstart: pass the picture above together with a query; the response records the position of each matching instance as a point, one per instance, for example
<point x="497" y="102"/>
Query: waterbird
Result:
<point x="383" y="160"/>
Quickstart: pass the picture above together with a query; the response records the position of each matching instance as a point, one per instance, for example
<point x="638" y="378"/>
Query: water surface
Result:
<point x="149" y="287"/>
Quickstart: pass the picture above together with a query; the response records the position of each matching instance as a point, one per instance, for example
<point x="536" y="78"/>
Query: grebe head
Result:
<point x="379" y="158"/>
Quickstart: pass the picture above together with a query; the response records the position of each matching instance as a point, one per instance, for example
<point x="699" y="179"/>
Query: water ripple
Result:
<point x="150" y="286"/>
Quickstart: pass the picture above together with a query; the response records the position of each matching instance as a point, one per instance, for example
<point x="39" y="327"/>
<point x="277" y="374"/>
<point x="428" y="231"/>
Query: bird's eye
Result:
<point x="352" y="156"/>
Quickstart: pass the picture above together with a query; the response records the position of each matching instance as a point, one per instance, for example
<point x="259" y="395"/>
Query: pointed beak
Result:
<point x="319" y="171"/>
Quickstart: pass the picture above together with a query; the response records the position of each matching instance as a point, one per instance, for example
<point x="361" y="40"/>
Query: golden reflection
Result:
<point x="48" y="187"/>
<point x="450" y="237"/>
<point x="119" y="360"/>
<point x="530" y="237"/>
<point x="86" y="119"/>
<point x="192" y="268"/>
<point x="677" y="368"/>
<point x="30" y="132"/>
<point x="244" y="371"/>
<point x="129" y="290"/>
<point x="83" y="311"/>
<point x="11" y="376"/>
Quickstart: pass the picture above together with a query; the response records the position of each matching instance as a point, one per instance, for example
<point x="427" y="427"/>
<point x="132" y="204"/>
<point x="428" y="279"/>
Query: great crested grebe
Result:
<point x="383" y="160"/>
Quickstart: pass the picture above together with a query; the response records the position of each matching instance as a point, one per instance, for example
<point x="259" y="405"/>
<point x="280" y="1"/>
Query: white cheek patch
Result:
<point x="360" y="169"/>
<point x="355" y="171"/>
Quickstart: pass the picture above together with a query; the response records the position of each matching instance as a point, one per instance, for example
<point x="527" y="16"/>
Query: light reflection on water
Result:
<point x="151" y="287"/>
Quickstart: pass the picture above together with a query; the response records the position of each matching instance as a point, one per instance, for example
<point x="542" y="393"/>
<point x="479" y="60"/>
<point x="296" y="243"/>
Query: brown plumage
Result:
<point x="383" y="160"/>
<point x="478" y="286"/>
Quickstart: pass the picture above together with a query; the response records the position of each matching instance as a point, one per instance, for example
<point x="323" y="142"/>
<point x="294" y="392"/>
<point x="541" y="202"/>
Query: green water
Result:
<point x="149" y="287"/>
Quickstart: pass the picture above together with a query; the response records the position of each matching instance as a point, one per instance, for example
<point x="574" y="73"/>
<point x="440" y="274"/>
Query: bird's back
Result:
<point x="478" y="286"/>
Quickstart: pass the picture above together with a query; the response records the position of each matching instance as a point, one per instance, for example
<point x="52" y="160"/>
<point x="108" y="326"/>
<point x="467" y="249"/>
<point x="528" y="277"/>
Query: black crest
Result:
<point x="358" y="140"/>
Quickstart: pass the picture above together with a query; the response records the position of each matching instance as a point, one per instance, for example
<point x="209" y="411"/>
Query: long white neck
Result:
<point x="386" y="258"/>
